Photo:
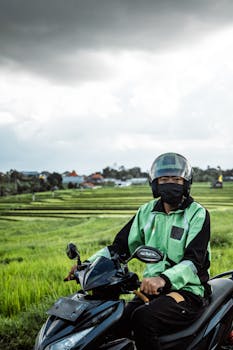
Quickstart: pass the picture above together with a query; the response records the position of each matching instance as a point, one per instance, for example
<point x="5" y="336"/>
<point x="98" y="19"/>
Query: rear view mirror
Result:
<point x="147" y="254"/>
<point x="72" y="251"/>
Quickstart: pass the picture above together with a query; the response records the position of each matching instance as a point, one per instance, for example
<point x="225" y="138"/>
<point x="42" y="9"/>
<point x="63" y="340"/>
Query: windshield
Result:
<point x="100" y="273"/>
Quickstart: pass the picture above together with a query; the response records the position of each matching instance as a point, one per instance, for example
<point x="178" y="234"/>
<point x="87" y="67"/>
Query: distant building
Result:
<point x="139" y="180"/>
<point x="73" y="179"/>
<point x="30" y="173"/>
<point x="96" y="179"/>
<point x="125" y="183"/>
<point x="87" y="185"/>
<point x="121" y="183"/>
<point x="73" y="173"/>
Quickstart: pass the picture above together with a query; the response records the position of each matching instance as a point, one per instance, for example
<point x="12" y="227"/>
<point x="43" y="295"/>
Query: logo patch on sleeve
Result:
<point x="177" y="232"/>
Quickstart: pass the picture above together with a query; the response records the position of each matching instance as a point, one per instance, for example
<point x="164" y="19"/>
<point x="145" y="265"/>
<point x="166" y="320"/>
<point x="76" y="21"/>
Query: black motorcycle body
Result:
<point x="87" y="319"/>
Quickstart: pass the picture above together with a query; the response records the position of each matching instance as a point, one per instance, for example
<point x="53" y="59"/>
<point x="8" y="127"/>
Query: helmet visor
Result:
<point x="171" y="164"/>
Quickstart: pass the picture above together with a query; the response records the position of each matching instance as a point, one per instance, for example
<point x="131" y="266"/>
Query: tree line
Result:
<point x="199" y="175"/>
<point x="15" y="182"/>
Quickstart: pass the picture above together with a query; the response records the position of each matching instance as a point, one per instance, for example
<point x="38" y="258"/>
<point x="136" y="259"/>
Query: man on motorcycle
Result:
<point x="179" y="227"/>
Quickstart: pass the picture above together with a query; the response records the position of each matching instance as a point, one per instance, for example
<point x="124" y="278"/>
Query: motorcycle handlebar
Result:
<point x="68" y="278"/>
<point x="143" y="296"/>
<point x="160" y="290"/>
<point x="73" y="274"/>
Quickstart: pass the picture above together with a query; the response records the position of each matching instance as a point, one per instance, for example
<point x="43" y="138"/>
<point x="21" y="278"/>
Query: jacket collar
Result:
<point x="160" y="208"/>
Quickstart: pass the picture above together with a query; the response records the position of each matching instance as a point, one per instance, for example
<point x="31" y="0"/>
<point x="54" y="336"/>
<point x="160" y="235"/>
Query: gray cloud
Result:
<point x="54" y="38"/>
<point x="122" y="81"/>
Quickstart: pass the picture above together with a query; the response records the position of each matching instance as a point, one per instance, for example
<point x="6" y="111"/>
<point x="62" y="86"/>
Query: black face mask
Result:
<point x="171" y="193"/>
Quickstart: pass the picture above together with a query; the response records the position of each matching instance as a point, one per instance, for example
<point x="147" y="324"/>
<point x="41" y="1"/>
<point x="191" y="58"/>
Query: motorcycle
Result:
<point x="87" y="319"/>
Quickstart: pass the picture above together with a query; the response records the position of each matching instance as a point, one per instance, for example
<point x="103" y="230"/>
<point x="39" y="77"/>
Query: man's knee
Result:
<point x="140" y="317"/>
<point x="145" y="328"/>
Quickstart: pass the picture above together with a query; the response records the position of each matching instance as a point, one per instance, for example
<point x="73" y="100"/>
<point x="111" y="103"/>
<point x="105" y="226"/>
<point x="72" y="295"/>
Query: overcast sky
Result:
<point x="89" y="84"/>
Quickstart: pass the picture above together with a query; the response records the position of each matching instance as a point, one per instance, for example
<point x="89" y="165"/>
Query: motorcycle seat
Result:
<point x="222" y="288"/>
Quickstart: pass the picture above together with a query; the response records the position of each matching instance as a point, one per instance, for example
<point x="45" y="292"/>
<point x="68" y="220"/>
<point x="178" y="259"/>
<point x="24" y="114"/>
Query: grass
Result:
<point x="34" y="234"/>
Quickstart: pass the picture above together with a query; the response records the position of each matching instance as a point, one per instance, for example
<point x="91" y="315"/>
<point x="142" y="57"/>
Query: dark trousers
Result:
<point x="163" y="315"/>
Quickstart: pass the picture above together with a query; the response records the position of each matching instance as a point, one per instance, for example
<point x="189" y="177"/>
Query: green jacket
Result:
<point x="183" y="236"/>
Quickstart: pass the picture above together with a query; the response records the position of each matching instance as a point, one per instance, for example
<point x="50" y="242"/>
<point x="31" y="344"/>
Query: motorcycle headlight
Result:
<point x="69" y="342"/>
<point x="39" y="337"/>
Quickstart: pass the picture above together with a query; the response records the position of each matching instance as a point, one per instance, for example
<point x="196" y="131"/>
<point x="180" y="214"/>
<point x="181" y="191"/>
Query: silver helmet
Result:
<point x="171" y="164"/>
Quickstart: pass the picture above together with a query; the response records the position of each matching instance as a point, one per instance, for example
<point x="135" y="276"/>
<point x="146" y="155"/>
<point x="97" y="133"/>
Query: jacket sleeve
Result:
<point x="193" y="267"/>
<point x="120" y="243"/>
<point x="137" y="235"/>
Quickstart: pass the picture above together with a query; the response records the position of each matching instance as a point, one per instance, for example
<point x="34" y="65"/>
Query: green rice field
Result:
<point x="34" y="234"/>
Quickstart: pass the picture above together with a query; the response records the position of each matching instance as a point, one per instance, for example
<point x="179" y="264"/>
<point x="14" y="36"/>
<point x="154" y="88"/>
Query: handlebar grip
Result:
<point x="69" y="278"/>
<point x="141" y="296"/>
<point x="159" y="290"/>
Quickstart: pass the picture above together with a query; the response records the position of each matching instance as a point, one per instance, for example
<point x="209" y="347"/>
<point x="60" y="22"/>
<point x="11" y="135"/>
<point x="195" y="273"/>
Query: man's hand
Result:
<point x="150" y="285"/>
<point x="71" y="273"/>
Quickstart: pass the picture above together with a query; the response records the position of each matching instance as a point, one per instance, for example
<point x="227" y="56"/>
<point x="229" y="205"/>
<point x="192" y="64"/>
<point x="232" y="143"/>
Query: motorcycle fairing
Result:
<point x="119" y="344"/>
<point x="57" y="328"/>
